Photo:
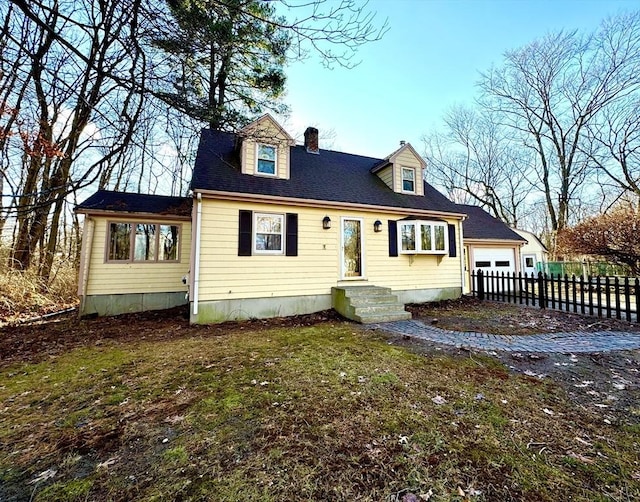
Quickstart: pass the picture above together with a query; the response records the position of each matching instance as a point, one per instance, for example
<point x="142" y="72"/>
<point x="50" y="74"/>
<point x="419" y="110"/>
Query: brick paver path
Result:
<point x="575" y="341"/>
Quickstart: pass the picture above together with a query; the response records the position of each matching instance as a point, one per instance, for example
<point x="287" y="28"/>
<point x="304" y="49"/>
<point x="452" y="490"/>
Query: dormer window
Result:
<point x="409" y="179"/>
<point x="266" y="160"/>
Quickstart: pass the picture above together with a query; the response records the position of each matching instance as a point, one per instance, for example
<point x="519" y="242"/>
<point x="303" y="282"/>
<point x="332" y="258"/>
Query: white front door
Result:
<point x="352" y="257"/>
<point x="529" y="264"/>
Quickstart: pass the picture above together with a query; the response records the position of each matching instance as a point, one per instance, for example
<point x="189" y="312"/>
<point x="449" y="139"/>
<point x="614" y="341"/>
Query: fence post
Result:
<point x="627" y="299"/>
<point x="480" y="284"/>
<point x="542" y="296"/>
<point x="617" y="297"/>
<point x="473" y="284"/>
<point x="637" y="295"/>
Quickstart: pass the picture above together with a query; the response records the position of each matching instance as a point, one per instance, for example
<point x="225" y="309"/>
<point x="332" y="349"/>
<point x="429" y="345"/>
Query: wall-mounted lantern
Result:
<point x="326" y="223"/>
<point x="377" y="226"/>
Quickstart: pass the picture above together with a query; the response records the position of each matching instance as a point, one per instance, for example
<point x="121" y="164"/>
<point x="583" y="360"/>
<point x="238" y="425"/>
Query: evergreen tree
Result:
<point x="225" y="60"/>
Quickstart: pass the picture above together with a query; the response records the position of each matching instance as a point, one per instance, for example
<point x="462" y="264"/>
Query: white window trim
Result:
<point x="275" y="161"/>
<point x="417" y="225"/>
<point x="402" y="169"/>
<point x="254" y="240"/>
<point x="132" y="241"/>
<point x="362" y="276"/>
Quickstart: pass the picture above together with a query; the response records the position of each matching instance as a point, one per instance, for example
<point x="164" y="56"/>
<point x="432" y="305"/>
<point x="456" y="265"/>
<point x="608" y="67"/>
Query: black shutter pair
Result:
<point x="245" y="233"/>
<point x="393" y="239"/>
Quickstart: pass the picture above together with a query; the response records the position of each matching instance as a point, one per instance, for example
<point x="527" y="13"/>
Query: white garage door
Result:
<point x="494" y="260"/>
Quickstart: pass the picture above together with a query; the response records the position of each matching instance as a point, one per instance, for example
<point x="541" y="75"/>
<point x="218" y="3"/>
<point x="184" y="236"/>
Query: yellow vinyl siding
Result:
<point x="226" y="276"/>
<point x="248" y="156"/>
<point x="386" y="175"/>
<point x="406" y="159"/>
<point x="123" y="278"/>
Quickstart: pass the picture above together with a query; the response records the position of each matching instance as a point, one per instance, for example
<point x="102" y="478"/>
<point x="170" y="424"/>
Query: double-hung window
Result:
<point x="421" y="236"/>
<point x="266" y="159"/>
<point x="142" y="242"/>
<point x="408" y="179"/>
<point x="269" y="233"/>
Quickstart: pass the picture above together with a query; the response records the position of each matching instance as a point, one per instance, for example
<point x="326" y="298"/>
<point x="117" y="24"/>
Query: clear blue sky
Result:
<point x="429" y="60"/>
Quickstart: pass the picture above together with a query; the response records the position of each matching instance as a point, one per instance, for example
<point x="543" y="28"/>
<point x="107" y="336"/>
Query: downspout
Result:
<point x="85" y="261"/>
<point x="463" y="258"/>
<point x="196" y="260"/>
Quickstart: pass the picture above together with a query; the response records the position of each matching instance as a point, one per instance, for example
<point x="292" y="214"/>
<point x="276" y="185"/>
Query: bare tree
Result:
<point x="550" y="90"/>
<point x="476" y="162"/>
<point x="613" y="144"/>
<point x="73" y="100"/>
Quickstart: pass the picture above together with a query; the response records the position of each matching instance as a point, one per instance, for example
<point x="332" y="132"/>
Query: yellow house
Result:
<point x="278" y="229"/>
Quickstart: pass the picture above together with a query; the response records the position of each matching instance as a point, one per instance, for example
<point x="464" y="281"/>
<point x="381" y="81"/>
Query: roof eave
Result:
<point x="131" y="214"/>
<point x="270" y="199"/>
<point x="493" y="241"/>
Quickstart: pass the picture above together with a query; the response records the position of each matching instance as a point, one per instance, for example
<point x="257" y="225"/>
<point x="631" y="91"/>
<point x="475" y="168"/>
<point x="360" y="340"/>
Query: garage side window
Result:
<point x="142" y="242"/>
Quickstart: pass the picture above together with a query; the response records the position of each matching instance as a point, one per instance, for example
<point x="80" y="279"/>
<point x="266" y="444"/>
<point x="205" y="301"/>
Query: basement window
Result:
<point x="142" y="242"/>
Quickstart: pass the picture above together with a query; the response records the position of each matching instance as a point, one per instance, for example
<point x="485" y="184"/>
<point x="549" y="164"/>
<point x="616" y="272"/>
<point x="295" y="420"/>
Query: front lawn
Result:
<point x="324" y="412"/>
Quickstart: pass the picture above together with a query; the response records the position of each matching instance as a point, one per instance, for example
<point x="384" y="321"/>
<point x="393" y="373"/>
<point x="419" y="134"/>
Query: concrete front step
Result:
<point x="365" y="301"/>
<point x="398" y="315"/>
<point x="368" y="304"/>
<point x="365" y="291"/>
<point x="377" y="309"/>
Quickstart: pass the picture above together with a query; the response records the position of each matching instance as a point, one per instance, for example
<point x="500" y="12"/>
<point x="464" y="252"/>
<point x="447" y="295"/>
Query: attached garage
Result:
<point x="494" y="260"/>
<point x="489" y="244"/>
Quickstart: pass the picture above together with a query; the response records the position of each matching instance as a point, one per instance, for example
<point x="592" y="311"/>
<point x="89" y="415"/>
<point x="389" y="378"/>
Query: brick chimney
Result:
<point x="311" y="140"/>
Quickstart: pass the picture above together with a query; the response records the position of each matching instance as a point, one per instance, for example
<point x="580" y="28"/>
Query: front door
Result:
<point x="352" y="262"/>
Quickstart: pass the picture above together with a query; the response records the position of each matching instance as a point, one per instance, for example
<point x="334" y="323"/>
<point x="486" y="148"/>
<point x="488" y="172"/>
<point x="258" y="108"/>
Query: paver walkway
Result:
<point x="574" y="341"/>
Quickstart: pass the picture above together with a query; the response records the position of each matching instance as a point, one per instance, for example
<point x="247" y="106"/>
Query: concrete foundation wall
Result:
<point x="428" y="295"/>
<point x="210" y="312"/>
<point x="130" y="302"/>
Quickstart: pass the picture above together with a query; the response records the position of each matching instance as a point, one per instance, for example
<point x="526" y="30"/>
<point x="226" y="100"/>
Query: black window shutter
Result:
<point x="292" y="235"/>
<point x="393" y="237"/>
<point x="452" y="241"/>
<point x="245" y="233"/>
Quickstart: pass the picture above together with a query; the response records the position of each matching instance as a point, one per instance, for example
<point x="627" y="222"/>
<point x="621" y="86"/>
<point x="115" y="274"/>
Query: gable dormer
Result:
<point x="403" y="170"/>
<point x="264" y="149"/>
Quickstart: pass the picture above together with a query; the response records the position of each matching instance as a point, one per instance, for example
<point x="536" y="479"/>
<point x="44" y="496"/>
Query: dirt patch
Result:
<point x="606" y="384"/>
<point x="471" y="314"/>
<point x="38" y="340"/>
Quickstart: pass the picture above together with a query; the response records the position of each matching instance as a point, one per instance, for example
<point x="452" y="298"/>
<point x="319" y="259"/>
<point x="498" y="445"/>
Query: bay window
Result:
<point x="422" y="237"/>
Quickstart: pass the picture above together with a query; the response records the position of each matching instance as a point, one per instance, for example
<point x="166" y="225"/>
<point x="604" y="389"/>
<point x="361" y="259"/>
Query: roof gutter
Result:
<point x="131" y="214"/>
<point x="196" y="260"/>
<point x="270" y="199"/>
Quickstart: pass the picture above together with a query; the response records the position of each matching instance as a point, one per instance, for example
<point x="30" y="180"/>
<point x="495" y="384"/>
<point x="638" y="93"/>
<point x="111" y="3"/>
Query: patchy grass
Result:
<point x="326" y="412"/>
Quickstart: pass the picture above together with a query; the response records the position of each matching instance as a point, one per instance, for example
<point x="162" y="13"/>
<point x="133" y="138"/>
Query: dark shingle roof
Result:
<point x="481" y="225"/>
<point x="105" y="200"/>
<point x="330" y="176"/>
